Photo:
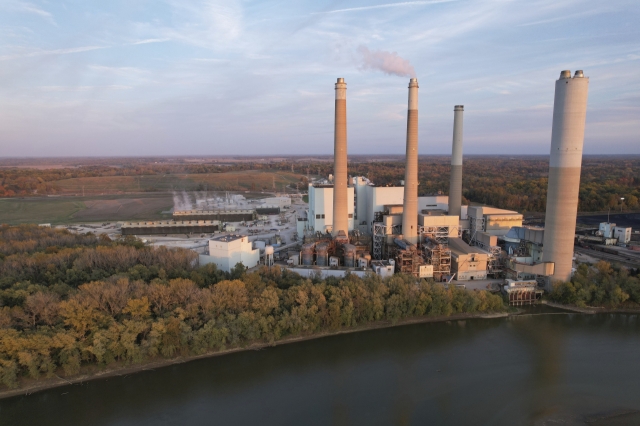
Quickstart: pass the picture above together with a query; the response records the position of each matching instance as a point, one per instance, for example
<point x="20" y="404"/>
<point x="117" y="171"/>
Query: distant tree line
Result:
<point x="69" y="302"/>
<point x="517" y="183"/>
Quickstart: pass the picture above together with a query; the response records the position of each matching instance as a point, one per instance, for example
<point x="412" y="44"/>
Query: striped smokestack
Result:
<point x="410" y="209"/>
<point x="455" y="185"/>
<point x="340" y="200"/>
<point x="567" y="138"/>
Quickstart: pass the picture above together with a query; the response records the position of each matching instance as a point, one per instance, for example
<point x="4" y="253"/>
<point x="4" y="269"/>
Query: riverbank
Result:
<point x="29" y="386"/>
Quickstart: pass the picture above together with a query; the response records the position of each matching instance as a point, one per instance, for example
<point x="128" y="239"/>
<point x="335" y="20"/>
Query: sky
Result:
<point x="236" y="77"/>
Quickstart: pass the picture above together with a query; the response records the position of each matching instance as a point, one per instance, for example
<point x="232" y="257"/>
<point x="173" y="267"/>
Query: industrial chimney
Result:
<point x="567" y="138"/>
<point x="340" y="198"/>
<point x="455" y="185"/>
<point x="410" y="209"/>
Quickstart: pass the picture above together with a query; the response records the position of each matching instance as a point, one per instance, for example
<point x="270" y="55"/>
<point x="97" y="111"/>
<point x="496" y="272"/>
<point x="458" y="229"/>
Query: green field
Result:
<point x="61" y="210"/>
<point x="231" y="181"/>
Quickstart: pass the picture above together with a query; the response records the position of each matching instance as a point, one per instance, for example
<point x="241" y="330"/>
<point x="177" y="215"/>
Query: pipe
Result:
<point x="340" y="199"/>
<point x="455" y="184"/>
<point x="565" y="162"/>
<point x="410" y="208"/>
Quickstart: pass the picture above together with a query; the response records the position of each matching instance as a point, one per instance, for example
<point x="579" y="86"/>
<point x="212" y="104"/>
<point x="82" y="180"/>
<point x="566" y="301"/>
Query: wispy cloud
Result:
<point x="83" y="88"/>
<point x="53" y="52"/>
<point x="385" y="6"/>
<point x="26" y="7"/>
<point x="151" y="40"/>
<point x="563" y="18"/>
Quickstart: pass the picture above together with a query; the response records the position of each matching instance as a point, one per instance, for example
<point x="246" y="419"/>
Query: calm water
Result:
<point x="537" y="369"/>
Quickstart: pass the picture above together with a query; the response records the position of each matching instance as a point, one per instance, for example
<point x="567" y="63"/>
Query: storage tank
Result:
<point x="268" y="255"/>
<point x="322" y="254"/>
<point x="349" y="255"/>
<point x="259" y="244"/>
<point x="307" y="254"/>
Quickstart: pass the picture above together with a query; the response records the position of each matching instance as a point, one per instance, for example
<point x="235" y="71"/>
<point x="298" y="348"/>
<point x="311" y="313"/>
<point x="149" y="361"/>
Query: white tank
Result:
<point x="268" y="250"/>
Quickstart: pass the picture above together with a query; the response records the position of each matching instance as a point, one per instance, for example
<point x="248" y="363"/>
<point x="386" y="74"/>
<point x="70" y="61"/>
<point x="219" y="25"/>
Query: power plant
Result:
<point x="436" y="236"/>
<point x="352" y="225"/>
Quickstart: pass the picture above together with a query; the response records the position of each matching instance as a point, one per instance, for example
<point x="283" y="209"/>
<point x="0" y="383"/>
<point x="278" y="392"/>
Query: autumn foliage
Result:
<point x="80" y="301"/>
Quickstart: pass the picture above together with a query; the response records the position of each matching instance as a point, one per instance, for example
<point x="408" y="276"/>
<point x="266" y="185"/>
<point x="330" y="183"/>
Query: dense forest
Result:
<point x="518" y="183"/>
<point x="606" y="285"/>
<point x="70" y="302"/>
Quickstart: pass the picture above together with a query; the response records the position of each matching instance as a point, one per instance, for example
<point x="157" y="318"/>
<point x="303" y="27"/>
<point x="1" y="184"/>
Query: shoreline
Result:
<point x="37" y="385"/>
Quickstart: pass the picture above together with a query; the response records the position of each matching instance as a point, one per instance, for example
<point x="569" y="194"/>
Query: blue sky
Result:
<point x="229" y="77"/>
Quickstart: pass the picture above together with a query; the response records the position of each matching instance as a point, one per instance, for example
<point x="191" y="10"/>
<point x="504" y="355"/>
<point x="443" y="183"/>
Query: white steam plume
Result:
<point x="388" y="62"/>
<point x="181" y="202"/>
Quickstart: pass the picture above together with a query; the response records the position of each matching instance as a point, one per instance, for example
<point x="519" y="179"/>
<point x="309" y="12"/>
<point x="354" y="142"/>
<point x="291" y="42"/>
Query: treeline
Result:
<point x="24" y="181"/>
<point x="519" y="183"/>
<point x="145" y="303"/>
<point x="611" y="286"/>
<point x="515" y="183"/>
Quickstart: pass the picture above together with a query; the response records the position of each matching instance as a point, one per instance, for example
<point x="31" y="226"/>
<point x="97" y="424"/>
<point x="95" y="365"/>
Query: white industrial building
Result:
<point x="364" y="201"/>
<point x="227" y="251"/>
<point x="320" y="213"/>
<point x="622" y="234"/>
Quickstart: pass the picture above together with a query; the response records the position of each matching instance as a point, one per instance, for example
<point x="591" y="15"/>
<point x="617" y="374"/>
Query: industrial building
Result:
<point x="228" y="250"/>
<point x="320" y="213"/>
<point x="468" y="262"/>
<point x="235" y="215"/>
<point x="169" y="227"/>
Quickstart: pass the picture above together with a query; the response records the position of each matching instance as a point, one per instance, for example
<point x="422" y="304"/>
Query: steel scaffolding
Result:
<point x="438" y="255"/>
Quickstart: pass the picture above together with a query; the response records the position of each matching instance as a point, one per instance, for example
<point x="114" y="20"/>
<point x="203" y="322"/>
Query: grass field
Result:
<point x="231" y="181"/>
<point x="61" y="210"/>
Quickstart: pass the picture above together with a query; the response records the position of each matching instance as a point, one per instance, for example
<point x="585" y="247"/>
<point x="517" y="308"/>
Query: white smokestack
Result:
<point x="565" y="162"/>
<point x="455" y="184"/>
<point x="410" y="209"/>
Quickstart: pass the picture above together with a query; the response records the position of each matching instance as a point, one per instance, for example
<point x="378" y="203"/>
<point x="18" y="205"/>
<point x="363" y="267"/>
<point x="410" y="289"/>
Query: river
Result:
<point x="532" y="369"/>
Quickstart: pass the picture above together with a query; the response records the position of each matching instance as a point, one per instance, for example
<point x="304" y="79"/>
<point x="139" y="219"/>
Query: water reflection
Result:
<point x="528" y="370"/>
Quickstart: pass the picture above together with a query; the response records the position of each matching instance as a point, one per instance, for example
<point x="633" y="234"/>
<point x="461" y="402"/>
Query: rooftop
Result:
<point x="228" y="238"/>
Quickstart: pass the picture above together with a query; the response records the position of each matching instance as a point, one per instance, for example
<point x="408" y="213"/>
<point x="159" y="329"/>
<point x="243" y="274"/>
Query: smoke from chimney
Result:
<point x="388" y="62"/>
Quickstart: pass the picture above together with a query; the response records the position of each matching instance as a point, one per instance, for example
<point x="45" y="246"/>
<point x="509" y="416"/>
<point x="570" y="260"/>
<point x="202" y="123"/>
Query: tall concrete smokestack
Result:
<point x="340" y="199"/>
<point x="455" y="185"/>
<point x="567" y="138"/>
<point x="410" y="209"/>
